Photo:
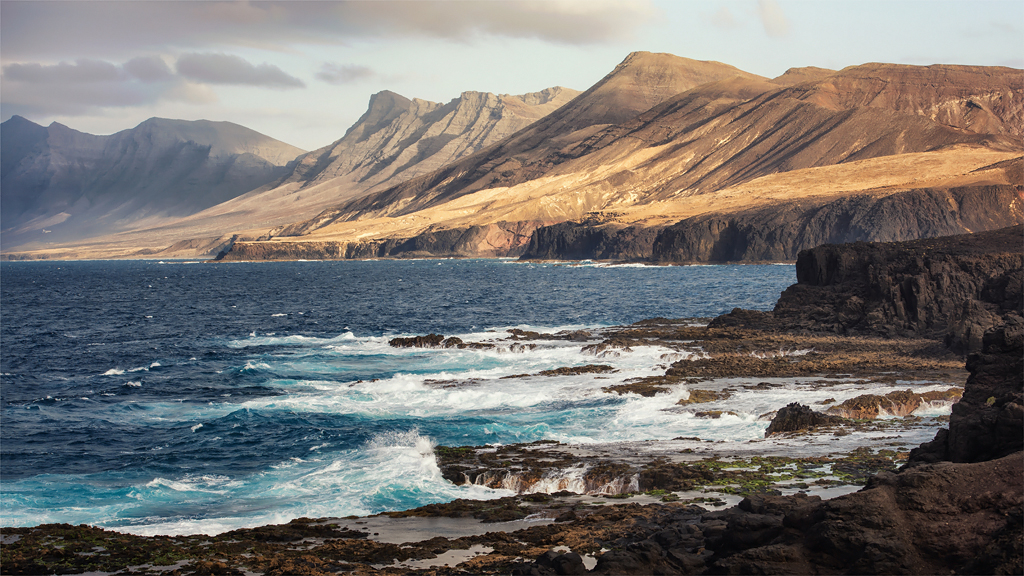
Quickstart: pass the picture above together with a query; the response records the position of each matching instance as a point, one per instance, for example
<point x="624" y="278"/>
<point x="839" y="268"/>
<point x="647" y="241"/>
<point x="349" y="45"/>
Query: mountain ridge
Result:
<point x="659" y="140"/>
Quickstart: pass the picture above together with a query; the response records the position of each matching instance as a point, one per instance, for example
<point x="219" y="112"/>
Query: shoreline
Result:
<point x="951" y="503"/>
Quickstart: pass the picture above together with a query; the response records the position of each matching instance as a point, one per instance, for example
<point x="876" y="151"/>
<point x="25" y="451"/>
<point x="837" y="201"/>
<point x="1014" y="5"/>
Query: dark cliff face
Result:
<point x="955" y="287"/>
<point x="779" y="233"/>
<point x="590" y="241"/>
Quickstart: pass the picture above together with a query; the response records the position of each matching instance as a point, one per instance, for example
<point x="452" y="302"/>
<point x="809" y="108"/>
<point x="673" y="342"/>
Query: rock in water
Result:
<point x="796" y="417"/>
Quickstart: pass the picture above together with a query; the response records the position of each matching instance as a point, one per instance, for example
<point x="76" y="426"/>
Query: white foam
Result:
<point x="114" y="372"/>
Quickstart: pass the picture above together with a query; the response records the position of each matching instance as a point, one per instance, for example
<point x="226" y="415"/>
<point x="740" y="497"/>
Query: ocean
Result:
<point x="186" y="397"/>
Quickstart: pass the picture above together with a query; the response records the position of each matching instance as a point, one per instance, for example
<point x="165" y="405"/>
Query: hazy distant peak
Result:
<point x="640" y="82"/>
<point x="18" y="120"/>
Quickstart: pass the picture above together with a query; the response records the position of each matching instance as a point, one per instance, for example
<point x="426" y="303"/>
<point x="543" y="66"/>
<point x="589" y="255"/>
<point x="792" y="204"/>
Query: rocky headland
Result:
<point x="891" y="312"/>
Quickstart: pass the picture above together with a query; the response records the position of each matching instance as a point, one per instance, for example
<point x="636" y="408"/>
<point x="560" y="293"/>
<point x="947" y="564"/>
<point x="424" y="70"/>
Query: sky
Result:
<point x="303" y="72"/>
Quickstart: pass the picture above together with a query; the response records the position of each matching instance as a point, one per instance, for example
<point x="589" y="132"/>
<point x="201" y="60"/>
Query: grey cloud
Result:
<point x="231" y="69"/>
<point x="149" y="69"/>
<point x="82" y="86"/>
<point x="34" y="30"/>
<point x="773" y="19"/>
<point x="344" y="73"/>
<point x="78" y="72"/>
<point x="573" y="22"/>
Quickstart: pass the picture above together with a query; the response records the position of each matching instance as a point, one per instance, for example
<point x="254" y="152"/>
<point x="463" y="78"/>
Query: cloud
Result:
<point x="113" y="29"/>
<point x="80" y="71"/>
<point x="231" y="69"/>
<point x="149" y="69"/>
<point x="558" y="21"/>
<point x="82" y="86"/>
<point x="343" y="73"/>
<point x="773" y="19"/>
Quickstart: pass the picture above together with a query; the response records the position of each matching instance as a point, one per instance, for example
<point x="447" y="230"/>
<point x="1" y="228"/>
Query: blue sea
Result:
<point x="185" y="397"/>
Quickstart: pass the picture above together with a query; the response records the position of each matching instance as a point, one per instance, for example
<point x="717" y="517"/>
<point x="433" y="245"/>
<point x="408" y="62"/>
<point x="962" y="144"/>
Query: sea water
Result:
<point x="177" y="397"/>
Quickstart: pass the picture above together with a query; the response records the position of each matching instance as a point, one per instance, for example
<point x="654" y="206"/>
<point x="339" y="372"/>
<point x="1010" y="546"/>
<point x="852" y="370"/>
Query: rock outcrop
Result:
<point x="988" y="422"/>
<point x="796" y="417"/>
<point x="936" y="518"/>
<point x="953" y="288"/>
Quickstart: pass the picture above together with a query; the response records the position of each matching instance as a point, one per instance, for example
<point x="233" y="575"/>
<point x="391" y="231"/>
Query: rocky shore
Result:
<point x="885" y="313"/>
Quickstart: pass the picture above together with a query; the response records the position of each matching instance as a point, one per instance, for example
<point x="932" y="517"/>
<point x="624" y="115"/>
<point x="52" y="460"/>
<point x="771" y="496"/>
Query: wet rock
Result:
<point x="577" y="370"/>
<point x="428" y="341"/>
<point x="988" y="422"/>
<point x="437" y="341"/>
<point x="867" y="406"/>
<point x="796" y="417"/>
<point x="698" y="396"/>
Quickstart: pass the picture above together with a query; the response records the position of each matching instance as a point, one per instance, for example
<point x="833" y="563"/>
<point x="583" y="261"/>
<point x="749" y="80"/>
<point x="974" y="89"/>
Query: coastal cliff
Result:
<point x="953" y="288"/>
<point x="779" y="232"/>
<point x="488" y="241"/>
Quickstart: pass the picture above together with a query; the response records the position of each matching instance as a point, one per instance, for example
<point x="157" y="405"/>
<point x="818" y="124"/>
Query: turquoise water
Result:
<point x="181" y="398"/>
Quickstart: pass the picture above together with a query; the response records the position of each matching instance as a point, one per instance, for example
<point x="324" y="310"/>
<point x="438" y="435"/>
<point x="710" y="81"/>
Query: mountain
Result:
<point x="665" y="159"/>
<point x="59" y="184"/>
<point x="396" y="139"/>
<point x="641" y="81"/>
<point x="926" y="150"/>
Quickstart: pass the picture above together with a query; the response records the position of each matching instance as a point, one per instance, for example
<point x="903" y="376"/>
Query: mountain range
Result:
<point x="665" y="159"/>
<point x="64" y="185"/>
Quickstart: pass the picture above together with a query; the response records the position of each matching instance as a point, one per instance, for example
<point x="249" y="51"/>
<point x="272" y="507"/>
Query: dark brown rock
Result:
<point x="988" y="422"/>
<point x="919" y="288"/>
<point x="796" y="417"/>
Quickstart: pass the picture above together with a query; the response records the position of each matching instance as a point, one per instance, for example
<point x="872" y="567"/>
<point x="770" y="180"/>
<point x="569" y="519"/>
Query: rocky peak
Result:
<point x="383" y="108"/>
<point x="641" y="81"/>
<point x="398" y="138"/>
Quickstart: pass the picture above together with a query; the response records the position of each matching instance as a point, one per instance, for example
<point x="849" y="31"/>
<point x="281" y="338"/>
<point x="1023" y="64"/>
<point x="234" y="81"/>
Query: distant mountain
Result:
<point x="948" y="138"/>
<point x="60" y="185"/>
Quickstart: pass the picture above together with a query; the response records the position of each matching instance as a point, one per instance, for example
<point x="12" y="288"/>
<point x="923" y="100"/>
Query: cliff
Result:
<point x="779" y="232"/>
<point x="952" y="288"/>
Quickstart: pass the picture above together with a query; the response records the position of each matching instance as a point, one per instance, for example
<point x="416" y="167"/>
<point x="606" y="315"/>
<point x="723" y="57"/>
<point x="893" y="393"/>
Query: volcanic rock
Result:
<point x="796" y="417"/>
<point x="920" y="288"/>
